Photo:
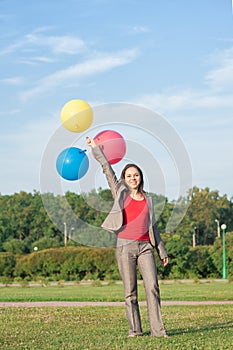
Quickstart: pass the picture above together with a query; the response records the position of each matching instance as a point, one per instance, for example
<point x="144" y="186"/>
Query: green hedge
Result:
<point x="70" y="263"/>
<point x="78" y="263"/>
<point x="7" y="264"/>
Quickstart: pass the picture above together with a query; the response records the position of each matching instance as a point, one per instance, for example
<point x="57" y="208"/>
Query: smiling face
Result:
<point x="132" y="178"/>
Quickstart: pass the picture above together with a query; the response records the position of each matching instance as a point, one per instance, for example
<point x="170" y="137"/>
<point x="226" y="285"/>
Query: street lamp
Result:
<point x="224" y="270"/>
<point x="65" y="234"/>
<point x="194" y="237"/>
<point x="218" y="228"/>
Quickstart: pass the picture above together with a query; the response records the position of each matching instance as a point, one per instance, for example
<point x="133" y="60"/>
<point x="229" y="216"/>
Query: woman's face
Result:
<point x="132" y="178"/>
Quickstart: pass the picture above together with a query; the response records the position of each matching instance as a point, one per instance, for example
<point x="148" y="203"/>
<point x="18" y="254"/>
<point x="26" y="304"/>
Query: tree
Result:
<point x="205" y="207"/>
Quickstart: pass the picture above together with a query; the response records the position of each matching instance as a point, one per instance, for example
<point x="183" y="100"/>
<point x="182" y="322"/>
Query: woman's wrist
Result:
<point x="90" y="142"/>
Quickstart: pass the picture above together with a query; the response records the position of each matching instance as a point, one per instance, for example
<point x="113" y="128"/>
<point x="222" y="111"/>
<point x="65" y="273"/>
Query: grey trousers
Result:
<point x="129" y="254"/>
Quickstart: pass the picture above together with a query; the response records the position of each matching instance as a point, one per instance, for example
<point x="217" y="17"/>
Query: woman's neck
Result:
<point x="135" y="194"/>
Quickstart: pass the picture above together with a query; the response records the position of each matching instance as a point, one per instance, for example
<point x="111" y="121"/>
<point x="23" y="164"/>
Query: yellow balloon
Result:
<point x="76" y="115"/>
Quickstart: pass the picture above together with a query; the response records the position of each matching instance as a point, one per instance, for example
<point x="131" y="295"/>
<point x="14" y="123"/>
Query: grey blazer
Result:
<point x="114" y="220"/>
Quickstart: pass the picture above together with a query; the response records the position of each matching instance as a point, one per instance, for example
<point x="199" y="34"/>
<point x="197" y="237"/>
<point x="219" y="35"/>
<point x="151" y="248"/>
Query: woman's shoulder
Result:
<point x="148" y="197"/>
<point x="146" y="194"/>
<point x="121" y="186"/>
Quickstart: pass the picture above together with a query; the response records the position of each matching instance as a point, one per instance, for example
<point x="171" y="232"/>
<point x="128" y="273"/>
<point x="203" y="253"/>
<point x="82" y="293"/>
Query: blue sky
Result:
<point x="173" y="57"/>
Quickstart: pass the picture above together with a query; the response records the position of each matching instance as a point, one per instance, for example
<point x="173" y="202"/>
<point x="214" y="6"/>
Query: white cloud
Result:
<point x="57" y="44"/>
<point x="221" y="77"/>
<point x="34" y="61"/>
<point x="139" y="29"/>
<point x="12" y="48"/>
<point x="65" y="44"/>
<point x="216" y="91"/>
<point x="43" y="29"/>
<point x="12" y="81"/>
<point x="43" y="59"/>
<point x="10" y="112"/>
<point x="90" y="67"/>
<point x="183" y="100"/>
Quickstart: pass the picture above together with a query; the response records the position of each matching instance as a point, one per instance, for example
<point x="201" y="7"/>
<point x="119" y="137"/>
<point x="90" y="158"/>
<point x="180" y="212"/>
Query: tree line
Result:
<point x="31" y="222"/>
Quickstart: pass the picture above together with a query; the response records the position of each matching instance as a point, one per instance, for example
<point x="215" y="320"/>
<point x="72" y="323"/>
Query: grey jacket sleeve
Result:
<point x="107" y="169"/>
<point x="159" y="244"/>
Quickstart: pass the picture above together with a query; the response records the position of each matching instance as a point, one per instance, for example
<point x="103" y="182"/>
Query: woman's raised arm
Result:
<point x="106" y="166"/>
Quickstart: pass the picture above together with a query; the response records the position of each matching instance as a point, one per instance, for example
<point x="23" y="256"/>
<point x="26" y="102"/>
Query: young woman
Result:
<point x="132" y="219"/>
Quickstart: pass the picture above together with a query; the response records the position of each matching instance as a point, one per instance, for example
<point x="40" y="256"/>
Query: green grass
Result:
<point x="114" y="292"/>
<point x="208" y="327"/>
<point x="193" y="327"/>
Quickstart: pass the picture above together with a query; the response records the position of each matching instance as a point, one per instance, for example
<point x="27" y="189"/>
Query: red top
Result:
<point x="135" y="220"/>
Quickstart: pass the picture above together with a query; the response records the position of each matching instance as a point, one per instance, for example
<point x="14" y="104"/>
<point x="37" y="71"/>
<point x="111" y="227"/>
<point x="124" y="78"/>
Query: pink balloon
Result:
<point x="112" y="144"/>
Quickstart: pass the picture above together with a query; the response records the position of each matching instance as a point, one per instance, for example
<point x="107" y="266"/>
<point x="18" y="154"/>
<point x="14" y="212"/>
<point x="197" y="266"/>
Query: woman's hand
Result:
<point x="90" y="142"/>
<point x="164" y="261"/>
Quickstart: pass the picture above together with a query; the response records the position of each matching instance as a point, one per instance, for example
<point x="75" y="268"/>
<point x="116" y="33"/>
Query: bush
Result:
<point x="201" y="262"/>
<point x="7" y="264"/>
<point x="77" y="263"/>
<point x="69" y="263"/>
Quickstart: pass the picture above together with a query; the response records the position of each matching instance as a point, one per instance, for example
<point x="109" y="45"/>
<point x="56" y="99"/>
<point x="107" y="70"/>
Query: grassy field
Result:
<point x="193" y="327"/>
<point x="199" y="327"/>
<point x="114" y="292"/>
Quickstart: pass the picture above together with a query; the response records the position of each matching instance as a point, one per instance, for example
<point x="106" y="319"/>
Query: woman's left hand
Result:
<point x="90" y="142"/>
<point x="165" y="261"/>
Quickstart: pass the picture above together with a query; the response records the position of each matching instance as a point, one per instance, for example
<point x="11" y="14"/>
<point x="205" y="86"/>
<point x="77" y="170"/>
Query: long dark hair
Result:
<point x="141" y="185"/>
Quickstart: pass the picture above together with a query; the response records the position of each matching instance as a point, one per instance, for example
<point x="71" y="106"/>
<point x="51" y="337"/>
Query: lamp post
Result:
<point x="218" y="228"/>
<point x="65" y="234"/>
<point x="224" y="272"/>
<point x="194" y="237"/>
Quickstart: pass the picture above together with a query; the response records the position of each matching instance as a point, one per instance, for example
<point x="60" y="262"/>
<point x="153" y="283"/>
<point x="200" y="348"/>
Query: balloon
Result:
<point x="72" y="163"/>
<point x="112" y="144"/>
<point x="76" y="115"/>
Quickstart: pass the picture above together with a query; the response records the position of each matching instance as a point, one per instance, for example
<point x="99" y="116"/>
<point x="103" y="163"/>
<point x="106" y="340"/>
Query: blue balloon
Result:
<point x="72" y="163"/>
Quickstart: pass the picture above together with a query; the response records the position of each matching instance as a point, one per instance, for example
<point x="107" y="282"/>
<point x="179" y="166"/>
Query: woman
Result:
<point x="132" y="219"/>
